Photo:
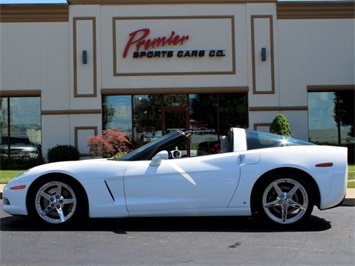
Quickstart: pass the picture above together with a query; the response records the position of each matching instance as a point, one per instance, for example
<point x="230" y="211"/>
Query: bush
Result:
<point x="110" y="143"/>
<point x="63" y="153"/>
<point x="280" y="126"/>
<point x="20" y="163"/>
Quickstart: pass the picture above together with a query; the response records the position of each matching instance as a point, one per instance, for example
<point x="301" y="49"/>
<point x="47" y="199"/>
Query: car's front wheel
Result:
<point x="285" y="199"/>
<point x="55" y="201"/>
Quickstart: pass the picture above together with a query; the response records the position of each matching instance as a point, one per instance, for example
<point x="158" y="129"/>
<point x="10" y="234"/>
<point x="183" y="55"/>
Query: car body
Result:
<point x="275" y="178"/>
<point x="19" y="145"/>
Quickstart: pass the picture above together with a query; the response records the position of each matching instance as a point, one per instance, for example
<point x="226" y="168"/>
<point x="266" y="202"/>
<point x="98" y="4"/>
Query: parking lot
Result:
<point x="327" y="239"/>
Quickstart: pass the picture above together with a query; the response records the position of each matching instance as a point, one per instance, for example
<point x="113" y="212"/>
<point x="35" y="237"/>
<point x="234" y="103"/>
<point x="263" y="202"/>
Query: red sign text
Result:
<point x="139" y="39"/>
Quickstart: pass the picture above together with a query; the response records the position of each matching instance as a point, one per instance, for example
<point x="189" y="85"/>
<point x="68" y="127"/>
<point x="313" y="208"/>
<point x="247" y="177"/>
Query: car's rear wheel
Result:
<point x="285" y="199"/>
<point x="55" y="201"/>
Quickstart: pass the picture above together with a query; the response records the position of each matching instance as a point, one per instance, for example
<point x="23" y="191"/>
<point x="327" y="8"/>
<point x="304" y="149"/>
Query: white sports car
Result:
<point x="277" y="179"/>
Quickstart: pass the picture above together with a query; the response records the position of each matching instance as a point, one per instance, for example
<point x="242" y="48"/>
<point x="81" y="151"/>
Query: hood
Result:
<point x="91" y="167"/>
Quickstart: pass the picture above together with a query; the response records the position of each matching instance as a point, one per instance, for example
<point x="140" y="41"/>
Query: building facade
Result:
<point x="146" y="67"/>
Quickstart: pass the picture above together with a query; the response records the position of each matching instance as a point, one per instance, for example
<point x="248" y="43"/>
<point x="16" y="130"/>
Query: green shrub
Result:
<point x="63" y="153"/>
<point x="280" y="126"/>
<point x="19" y="163"/>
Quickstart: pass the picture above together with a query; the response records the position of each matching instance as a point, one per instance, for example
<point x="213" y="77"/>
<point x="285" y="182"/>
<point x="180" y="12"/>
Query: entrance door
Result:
<point x="175" y="120"/>
<point x="175" y="112"/>
<point x="175" y="116"/>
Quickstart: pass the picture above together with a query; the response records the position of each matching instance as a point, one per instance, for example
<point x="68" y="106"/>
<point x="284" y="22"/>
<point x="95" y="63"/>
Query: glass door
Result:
<point x="175" y="116"/>
<point x="175" y="120"/>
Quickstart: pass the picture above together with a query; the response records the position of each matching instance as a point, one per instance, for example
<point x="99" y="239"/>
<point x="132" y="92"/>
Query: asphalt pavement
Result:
<point x="348" y="201"/>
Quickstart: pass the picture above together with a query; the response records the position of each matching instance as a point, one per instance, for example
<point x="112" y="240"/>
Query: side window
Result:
<point x="260" y="140"/>
<point x="253" y="142"/>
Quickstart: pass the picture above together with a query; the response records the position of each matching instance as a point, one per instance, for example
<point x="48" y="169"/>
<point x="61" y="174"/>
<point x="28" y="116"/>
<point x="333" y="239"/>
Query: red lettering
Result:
<point x="133" y="40"/>
<point x="139" y="39"/>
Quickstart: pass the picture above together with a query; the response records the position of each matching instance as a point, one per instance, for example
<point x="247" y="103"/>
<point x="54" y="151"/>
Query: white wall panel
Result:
<point x="55" y="131"/>
<point x="85" y="73"/>
<point x="82" y="135"/>
<point x="292" y="63"/>
<point x="330" y="52"/>
<point x="204" y="34"/>
<point x="262" y="38"/>
<point x="20" y="56"/>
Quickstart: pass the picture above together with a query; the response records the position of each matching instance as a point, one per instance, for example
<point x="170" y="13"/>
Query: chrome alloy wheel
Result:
<point x="55" y="202"/>
<point x="285" y="201"/>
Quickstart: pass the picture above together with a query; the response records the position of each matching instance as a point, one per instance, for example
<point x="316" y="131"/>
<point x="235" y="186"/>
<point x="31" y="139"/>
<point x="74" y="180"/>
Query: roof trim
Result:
<point x="285" y="10"/>
<point x="20" y="93"/>
<point x="315" y="10"/>
<point x="34" y="13"/>
<point x="162" y="2"/>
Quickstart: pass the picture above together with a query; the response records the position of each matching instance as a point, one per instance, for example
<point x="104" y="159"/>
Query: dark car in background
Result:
<point x="18" y="146"/>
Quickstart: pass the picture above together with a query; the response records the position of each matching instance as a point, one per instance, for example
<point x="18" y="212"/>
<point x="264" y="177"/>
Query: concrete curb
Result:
<point x="350" y="197"/>
<point x="348" y="201"/>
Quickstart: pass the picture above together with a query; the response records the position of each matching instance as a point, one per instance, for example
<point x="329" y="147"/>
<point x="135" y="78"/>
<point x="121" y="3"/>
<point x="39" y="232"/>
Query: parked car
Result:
<point x="274" y="178"/>
<point x="20" y="147"/>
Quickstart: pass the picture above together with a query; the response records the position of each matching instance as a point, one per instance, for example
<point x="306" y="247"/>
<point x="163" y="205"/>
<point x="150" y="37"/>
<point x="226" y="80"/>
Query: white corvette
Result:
<point x="266" y="175"/>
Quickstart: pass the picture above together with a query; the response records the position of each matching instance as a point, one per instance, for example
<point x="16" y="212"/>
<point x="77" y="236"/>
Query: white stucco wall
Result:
<point x="188" y="11"/>
<point x="313" y="52"/>
<point x="34" y="56"/>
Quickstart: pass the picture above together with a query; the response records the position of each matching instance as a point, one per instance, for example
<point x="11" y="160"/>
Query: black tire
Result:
<point x="284" y="199"/>
<point x="55" y="201"/>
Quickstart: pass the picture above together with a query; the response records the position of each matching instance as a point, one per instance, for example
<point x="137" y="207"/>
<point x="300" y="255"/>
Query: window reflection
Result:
<point x="117" y="113"/>
<point x="20" y="126"/>
<point x="175" y="100"/>
<point x="145" y="118"/>
<point x="4" y="116"/>
<point x="203" y="123"/>
<point x="331" y="117"/>
<point x="233" y="111"/>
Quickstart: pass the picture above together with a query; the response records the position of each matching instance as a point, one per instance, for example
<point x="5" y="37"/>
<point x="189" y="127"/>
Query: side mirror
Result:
<point x="156" y="160"/>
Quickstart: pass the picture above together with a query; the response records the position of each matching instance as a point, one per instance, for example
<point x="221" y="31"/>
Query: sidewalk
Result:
<point x="349" y="200"/>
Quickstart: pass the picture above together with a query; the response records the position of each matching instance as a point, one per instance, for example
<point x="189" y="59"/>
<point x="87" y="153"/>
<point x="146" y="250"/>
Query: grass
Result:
<point x="351" y="172"/>
<point x="7" y="175"/>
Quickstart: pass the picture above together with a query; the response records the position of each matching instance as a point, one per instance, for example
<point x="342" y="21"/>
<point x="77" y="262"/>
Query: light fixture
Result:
<point x="263" y="54"/>
<point x="85" y="57"/>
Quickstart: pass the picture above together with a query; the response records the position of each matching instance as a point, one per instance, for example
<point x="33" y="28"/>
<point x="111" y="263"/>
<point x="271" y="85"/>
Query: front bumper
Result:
<point x="14" y="201"/>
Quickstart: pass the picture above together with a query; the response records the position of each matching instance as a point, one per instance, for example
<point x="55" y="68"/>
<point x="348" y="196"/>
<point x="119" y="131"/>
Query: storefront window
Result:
<point x="20" y="126"/>
<point x="211" y="115"/>
<point x="117" y="113"/>
<point x="331" y="117"/>
<point x="147" y="117"/>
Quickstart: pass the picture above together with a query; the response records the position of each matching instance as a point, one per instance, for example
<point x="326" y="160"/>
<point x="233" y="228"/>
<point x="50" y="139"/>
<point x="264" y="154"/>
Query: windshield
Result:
<point x="146" y="151"/>
<point x="260" y="140"/>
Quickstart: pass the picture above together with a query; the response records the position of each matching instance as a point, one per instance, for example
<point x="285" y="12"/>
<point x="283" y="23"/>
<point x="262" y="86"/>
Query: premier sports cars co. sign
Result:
<point x="189" y="46"/>
<point x="163" y="47"/>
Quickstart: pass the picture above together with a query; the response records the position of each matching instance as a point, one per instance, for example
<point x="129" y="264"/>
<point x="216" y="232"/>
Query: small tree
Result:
<point x="110" y="143"/>
<point x="280" y="126"/>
